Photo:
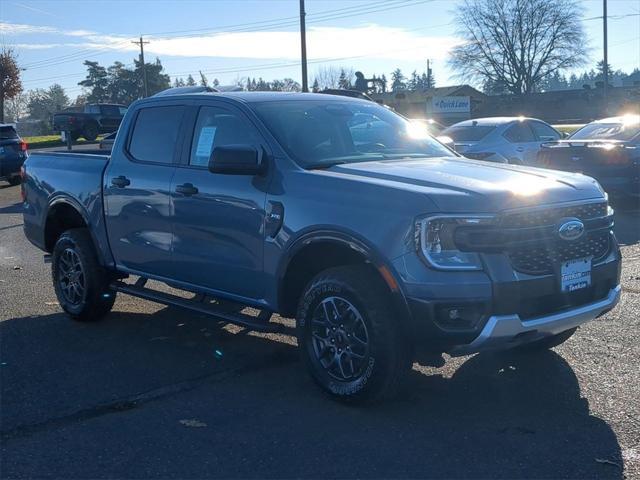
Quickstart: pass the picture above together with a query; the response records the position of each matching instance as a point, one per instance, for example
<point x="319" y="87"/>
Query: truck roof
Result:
<point x="251" y="97"/>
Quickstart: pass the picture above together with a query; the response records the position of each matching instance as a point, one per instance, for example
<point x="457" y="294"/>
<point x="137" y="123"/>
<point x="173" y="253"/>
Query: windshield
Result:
<point x="607" y="131"/>
<point x="320" y="133"/>
<point x="468" y="133"/>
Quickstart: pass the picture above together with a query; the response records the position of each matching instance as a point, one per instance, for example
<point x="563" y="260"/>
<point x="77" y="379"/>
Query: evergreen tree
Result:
<point x="398" y="81"/>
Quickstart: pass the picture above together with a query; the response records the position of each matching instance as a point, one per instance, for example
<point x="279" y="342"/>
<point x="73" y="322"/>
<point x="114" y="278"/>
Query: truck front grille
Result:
<point x="544" y="257"/>
<point x="550" y="216"/>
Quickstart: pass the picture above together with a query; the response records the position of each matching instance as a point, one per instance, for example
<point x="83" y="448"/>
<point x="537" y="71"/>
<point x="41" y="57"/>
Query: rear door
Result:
<point x="137" y="190"/>
<point x="543" y="133"/>
<point x="523" y="146"/>
<point x="218" y="220"/>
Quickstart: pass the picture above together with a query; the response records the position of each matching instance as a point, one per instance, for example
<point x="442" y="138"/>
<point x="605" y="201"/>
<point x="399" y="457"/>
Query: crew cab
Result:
<point x="607" y="149"/>
<point x="385" y="249"/>
<point x="92" y="120"/>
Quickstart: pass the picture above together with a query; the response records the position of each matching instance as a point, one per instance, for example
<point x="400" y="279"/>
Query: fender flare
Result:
<point x="82" y="211"/>
<point x="359" y="245"/>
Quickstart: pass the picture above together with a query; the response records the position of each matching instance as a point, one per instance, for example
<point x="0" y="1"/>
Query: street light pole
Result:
<point x="303" y="47"/>
<point x="605" y="66"/>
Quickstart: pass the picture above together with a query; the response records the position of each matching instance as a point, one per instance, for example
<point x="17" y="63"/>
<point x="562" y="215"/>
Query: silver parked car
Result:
<point x="501" y="139"/>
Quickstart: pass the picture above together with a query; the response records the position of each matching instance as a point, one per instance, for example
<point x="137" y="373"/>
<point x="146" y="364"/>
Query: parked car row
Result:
<point x="608" y="149"/>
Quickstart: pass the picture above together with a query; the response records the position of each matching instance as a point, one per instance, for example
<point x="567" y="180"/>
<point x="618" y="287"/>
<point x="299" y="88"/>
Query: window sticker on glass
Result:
<point x="205" y="141"/>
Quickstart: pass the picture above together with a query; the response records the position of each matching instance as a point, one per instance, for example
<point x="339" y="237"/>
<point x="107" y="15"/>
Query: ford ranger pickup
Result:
<point x="383" y="244"/>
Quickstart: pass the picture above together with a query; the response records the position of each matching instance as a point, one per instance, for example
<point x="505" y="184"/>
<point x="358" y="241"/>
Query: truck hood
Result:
<point x="463" y="185"/>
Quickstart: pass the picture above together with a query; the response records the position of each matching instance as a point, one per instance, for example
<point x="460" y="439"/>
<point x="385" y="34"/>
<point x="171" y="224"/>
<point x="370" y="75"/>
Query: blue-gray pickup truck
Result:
<point x="383" y="244"/>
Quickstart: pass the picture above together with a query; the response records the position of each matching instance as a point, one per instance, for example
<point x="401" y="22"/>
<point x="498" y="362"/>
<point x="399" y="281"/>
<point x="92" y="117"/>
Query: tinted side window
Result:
<point x="519" y="133"/>
<point x="217" y="127"/>
<point x="544" y="132"/>
<point x="155" y="134"/>
<point x="110" y="110"/>
<point x="7" y="132"/>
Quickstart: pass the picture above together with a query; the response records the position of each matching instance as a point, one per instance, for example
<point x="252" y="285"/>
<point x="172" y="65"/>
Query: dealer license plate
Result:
<point x="575" y="274"/>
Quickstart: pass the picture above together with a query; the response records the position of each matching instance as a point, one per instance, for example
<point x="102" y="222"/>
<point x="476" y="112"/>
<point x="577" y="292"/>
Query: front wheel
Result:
<point x="349" y="336"/>
<point x="81" y="283"/>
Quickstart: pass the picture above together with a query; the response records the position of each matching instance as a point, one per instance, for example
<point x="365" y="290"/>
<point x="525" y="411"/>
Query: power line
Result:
<point x="271" y="24"/>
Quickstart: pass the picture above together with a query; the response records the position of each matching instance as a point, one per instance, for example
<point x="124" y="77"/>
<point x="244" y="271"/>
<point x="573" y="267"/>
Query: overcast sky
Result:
<point x="227" y="39"/>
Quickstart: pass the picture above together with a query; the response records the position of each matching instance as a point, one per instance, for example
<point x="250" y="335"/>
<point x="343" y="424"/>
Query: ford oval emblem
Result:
<point x="570" y="229"/>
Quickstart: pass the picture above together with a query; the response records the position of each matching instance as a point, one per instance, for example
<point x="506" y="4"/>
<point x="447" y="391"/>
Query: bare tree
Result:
<point x="16" y="107"/>
<point x="517" y="43"/>
<point x="330" y="77"/>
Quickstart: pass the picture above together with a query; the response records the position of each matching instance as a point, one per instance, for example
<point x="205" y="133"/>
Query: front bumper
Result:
<point x="502" y="300"/>
<point x="507" y="331"/>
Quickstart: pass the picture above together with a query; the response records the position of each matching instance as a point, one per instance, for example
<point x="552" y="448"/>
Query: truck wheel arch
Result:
<point x="320" y="250"/>
<point x="64" y="214"/>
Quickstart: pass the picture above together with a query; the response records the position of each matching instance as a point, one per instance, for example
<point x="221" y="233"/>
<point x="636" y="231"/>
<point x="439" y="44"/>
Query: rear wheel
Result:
<point x="349" y="336"/>
<point x="90" y="132"/>
<point x="81" y="283"/>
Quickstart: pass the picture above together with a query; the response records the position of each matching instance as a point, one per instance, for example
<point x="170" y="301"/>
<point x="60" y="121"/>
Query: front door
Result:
<point x="218" y="220"/>
<point x="137" y="192"/>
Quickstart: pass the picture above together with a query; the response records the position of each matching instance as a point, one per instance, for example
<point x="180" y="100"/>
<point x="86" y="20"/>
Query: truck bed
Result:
<point x="59" y="178"/>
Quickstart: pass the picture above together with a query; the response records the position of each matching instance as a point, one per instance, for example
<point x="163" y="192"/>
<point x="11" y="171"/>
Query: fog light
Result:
<point x="460" y="317"/>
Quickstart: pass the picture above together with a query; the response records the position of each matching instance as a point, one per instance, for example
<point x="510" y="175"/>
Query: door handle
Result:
<point x="186" y="189"/>
<point x="120" y="181"/>
<point x="520" y="149"/>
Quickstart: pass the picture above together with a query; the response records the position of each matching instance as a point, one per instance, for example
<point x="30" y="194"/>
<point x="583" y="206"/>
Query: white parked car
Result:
<point x="514" y="140"/>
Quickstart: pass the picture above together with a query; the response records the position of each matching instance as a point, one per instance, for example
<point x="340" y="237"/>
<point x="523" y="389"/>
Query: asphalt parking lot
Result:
<point x="152" y="391"/>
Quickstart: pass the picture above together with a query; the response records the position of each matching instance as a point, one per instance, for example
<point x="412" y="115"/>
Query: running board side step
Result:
<point x="259" y="324"/>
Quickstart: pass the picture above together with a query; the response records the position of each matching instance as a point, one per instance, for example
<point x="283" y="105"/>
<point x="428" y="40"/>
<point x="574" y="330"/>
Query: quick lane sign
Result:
<point x="450" y="105"/>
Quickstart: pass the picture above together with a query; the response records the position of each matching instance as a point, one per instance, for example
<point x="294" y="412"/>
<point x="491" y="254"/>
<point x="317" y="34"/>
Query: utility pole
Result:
<point x="605" y="66"/>
<point x="303" y="47"/>
<point x="428" y="73"/>
<point x="141" y="43"/>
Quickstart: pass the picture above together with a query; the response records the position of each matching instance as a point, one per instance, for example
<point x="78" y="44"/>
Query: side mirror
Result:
<point x="565" y="134"/>
<point x="236" y="160"/>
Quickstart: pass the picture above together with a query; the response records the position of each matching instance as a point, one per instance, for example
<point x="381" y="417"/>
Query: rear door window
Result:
<point x="544" y="132"/>
<point x="468" y="133"/>
<point x="519" y="133"/>
<point x="7" y="133"/>
<point x="111" y="110"/>
<point x="155" y="134"/>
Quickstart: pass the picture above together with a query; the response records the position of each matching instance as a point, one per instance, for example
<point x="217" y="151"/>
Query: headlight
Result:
<point x="435" y="240"/>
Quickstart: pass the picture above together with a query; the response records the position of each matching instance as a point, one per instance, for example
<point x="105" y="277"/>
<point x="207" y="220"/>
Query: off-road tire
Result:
<point x="389" y="357"/>
<point x="547" y="343"/>
<point x="96" y="299"/>
<point x="90" y="132"/>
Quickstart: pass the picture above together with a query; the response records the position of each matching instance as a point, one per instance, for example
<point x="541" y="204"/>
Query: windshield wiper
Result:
<point x="323" y="165"/>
